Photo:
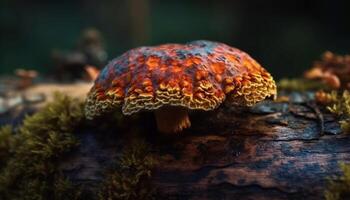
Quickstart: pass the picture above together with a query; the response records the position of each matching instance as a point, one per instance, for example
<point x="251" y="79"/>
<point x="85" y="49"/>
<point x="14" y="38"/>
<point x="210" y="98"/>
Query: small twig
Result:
<point x="310" y="104"/>
<point x="316" y="109"/>
<point x="296" y="113"/>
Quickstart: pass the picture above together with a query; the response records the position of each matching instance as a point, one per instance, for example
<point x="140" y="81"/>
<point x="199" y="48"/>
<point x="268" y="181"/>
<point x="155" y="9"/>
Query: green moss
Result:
<point x="345" y="126"/>
<point x="30" y="156"/>
<point x="338" y="187"/>
<point x="300" y="85"/>
<point x="8" y="142"/>
<point x="130" y="179"/>
<point x="32" y="152"/>
<point x="340" y="106"/>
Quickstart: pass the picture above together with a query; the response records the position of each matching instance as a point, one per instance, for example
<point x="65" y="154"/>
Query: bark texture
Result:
<point x="272" y="151"/>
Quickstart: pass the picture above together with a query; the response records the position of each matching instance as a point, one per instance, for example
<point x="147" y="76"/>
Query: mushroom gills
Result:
<point x="172" y="119"/>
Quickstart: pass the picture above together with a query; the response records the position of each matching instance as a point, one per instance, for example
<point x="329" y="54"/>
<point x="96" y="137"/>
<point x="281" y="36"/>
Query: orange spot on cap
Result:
<point x="147" y="82"/>
<point x="218" y="78"/>
<point x="176" y="69"/>
<point x="152" y="62"/>
<point x="200" y="74"/>
<point x="218" y="67"/>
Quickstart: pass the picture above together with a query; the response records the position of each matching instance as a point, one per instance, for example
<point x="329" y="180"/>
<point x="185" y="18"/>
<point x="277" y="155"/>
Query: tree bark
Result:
<point x="272" y="151"/>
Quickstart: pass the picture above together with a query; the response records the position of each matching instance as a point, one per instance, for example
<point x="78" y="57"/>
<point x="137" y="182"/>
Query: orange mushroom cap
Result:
<point x="198" y="75"/>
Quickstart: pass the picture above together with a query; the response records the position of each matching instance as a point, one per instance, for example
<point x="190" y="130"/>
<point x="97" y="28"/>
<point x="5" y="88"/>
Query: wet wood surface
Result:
<point x="272" y="154"/>
<point x="272" y="151"/>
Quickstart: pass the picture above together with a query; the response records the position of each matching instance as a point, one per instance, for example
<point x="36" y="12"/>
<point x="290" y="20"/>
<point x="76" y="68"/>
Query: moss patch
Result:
<point x="130" y="179"/>
<point x="339" y="104"/>
<point x="339" y="187"/>
<point x="30" y="154"/>
<point x="8" y="142"/>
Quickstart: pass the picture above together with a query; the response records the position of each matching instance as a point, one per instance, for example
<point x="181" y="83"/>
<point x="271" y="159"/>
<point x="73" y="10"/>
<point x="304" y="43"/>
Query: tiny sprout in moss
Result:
<point x="341" y="106"/>
<point x="338" y="188"/>
<point x="338" y="104"/>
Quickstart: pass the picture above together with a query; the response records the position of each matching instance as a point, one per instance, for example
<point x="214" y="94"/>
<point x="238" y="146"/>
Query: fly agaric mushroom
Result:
<point x="172" y="79"/>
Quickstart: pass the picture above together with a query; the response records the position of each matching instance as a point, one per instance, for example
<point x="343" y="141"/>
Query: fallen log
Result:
<point x="276" y="150"/>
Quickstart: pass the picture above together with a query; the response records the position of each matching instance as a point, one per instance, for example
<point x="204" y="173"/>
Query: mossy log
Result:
<point x="272" y="151"/>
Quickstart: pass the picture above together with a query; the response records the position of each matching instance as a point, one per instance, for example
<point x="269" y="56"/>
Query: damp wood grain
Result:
<point x="272" y="151"/>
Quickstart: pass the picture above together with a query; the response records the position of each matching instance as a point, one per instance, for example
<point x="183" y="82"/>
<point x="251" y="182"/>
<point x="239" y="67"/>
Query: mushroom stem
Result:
<point x="171" y="119"/>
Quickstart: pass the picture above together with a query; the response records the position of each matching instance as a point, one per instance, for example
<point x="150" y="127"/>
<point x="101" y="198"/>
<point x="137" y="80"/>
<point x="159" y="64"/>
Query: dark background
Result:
<point x="284" y="36"/>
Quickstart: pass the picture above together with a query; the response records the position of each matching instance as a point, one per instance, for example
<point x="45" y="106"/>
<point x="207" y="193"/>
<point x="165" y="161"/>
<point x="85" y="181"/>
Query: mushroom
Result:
<point x="172" y="79"/>
<point x="26" y="77"/>
<point x="332" y="69"/>
<point x="92" y="72"/>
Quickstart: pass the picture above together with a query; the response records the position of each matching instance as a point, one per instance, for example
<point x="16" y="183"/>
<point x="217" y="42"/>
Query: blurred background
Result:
<point x="284" y="36"/>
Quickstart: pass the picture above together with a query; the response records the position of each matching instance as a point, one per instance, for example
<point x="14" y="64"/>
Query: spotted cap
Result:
<point x="198" y="75"/>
